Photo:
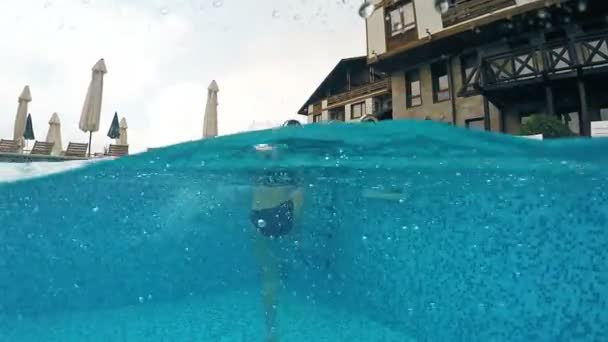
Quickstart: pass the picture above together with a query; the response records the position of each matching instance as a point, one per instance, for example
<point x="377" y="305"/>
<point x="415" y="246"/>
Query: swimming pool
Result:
<point x="411" y="231"/>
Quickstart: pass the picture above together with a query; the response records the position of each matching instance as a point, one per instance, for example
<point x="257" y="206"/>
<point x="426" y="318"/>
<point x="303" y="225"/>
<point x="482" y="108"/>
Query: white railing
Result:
<point x="599" y="129"/>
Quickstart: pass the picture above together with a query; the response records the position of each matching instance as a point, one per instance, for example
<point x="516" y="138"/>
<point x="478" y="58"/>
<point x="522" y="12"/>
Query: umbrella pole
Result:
<point x="90" y="137"/>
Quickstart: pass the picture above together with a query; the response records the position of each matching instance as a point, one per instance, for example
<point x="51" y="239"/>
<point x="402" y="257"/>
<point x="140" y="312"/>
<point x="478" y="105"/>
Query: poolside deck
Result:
<point x="28" y="158"/>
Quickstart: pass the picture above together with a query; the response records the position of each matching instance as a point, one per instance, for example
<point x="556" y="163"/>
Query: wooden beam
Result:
<point x="549" y="100"/>
<point x="585" y="123"/>
<point x="486" y="114"/>
<point x="452" y="90"/>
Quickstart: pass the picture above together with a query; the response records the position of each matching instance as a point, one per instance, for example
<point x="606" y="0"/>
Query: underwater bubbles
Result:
<point x="442" y="6"/>
<point x="367" y="9"/>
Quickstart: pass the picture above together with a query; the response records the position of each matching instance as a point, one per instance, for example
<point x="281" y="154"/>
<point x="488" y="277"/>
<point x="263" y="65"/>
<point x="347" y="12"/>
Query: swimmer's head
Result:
<point x="291" y="122"/>
<point x="369" y="118"/>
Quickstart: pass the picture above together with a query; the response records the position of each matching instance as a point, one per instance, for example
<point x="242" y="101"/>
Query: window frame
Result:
<point x="363" y="110"/>
<point x="400" y="8"/>
<point x="337" y="116"/>
<point x="316" y="118"/>
<point x="437" y="90"/>
<point x="409" y="97"/>
<point x="463" y="70"/>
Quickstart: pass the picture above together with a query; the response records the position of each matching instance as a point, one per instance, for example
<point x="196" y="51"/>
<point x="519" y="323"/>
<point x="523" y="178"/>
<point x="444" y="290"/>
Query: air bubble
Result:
<point x="442" y="6"/>
<point x="261" y="223"/>
<point x="582" y="6"/>
<point x="367" y="9"/>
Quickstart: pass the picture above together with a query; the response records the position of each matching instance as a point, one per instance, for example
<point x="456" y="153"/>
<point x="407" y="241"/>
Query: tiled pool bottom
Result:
<point x="230" y="317"/>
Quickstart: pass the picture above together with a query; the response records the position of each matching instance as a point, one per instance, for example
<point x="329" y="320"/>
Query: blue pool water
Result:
<point x="483" y="238"/>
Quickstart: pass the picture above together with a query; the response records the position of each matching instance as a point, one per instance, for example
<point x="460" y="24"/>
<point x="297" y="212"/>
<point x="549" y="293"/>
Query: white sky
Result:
<point x="266" y="55"/>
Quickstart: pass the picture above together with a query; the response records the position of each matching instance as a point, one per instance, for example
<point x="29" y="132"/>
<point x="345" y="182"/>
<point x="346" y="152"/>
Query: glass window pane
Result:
<point x="408" y="14"/>
<point x="415" y="88"/>
<point x="477" y="125"/>
<point x="416" y="101"/>
<point x="396" y="23"/>
<point x="358" y="110"/>
<point x="443" y="82"/>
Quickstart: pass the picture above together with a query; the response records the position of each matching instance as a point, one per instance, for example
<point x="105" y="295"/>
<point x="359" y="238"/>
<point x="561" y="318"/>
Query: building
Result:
<point x="352" y="90"/>
<point x="493" y="63"/>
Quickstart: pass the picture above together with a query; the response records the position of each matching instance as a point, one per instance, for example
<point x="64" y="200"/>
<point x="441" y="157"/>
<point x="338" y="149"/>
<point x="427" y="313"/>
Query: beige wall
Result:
<point x="427" y="17"/>
<point x="325" y="113"/>
<point x="309" y="116"/>
<point x="376" y="41"/>
<point x="347" y="110"/>
<point x="369" y="106"/>
<point x="466" y="107"/>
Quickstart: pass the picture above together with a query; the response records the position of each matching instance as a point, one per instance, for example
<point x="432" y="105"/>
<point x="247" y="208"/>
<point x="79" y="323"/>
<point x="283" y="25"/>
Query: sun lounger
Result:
<point x="42" y="148"/>
<point x="599" y="129"/>
<point x="118" y="150"/>
<point x="9" y="146"/>
<point x="76" y="150"/>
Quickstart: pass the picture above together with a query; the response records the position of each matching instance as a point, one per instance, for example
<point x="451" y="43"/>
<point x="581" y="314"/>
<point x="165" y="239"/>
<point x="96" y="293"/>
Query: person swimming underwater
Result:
<point x="275" y="209"/>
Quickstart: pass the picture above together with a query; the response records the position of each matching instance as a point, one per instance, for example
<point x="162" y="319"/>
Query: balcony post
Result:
<point x="452" y="90"/>
<point x="549" y="100"/>
<point x="486" y="114"/>
<point x="585" y="124"/>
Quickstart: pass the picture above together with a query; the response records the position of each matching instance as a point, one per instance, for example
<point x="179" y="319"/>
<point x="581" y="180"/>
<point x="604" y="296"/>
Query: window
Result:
<point x="357" y="110"/>
<point x="572" y="120"/>
<point x="468" y="65"/>
<point x="316" y="118"/>
<point x="604" y="114"/>
<point x="441" y="84"/>
<point x="377" y="106"/>
<point x="475" y="123"/>
<point x="336" y="115"/>
<point x="413" y="91"/>
<point x="402" y="19"/>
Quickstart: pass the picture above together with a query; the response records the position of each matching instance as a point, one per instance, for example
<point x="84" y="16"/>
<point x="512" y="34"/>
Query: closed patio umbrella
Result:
<point x="91" y="110"/>
<point x="21" y="117"/>
<point x="210" y="123"/>
<point x="28" y="133"/>
<point x="122" y="140"/>
<point x="54" y="135"/>
<point x="114" y="132"/>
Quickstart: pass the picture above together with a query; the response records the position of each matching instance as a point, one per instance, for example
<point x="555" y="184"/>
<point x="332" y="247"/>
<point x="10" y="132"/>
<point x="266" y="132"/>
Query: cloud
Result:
<point x="161" y="56"/>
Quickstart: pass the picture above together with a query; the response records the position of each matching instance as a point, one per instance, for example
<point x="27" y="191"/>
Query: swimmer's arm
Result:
<point x="298" y="202"/>
<point x="384" y="195"/>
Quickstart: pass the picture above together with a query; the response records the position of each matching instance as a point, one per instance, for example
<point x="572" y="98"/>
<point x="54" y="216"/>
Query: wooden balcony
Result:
<point x="464" y="10"/>
<point x="382" y="86"/>
<point x="561" y="59"/>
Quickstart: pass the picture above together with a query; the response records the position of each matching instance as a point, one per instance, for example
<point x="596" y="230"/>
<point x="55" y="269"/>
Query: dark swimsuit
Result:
<point x="276" y="221"/>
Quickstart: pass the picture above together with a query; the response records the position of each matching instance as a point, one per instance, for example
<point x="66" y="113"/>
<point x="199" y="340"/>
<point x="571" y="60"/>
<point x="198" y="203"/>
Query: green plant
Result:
<point x="548" y="125"/>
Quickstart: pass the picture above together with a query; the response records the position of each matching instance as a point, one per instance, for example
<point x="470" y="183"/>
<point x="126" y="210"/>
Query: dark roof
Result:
<point x="319" y="92"/>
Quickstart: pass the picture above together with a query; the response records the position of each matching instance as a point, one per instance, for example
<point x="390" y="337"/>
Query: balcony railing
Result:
<point x="463" y="10"/>
<point x="360" y="91"/>
<point x="557" y="59"/>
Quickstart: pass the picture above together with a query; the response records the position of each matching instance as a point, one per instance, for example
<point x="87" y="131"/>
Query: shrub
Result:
<point x="547" y="125"/>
